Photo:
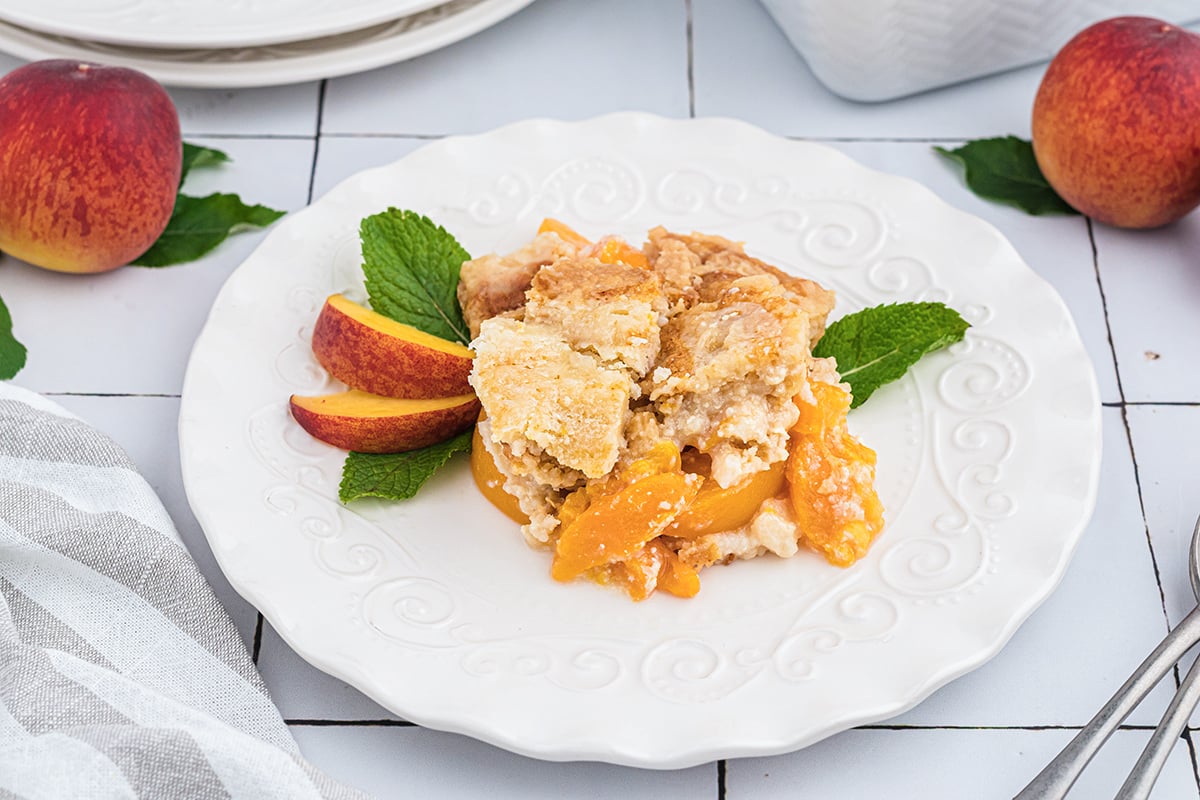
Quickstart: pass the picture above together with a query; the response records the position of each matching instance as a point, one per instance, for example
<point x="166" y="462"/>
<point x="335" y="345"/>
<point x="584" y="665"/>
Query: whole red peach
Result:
<point x="90" y="157"/>
<point x="1116" y="122"/>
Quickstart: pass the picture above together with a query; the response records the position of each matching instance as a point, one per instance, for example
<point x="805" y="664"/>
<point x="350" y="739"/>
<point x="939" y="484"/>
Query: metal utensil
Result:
<point x="1053" y="782"/>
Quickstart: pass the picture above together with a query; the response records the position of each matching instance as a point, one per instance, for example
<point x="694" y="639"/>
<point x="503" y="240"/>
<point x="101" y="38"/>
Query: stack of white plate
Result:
<point x="244" y="43"/>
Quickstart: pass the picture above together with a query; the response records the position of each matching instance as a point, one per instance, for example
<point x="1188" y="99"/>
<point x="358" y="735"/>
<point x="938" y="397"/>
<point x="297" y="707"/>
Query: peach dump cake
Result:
<point x="649" y="412"/>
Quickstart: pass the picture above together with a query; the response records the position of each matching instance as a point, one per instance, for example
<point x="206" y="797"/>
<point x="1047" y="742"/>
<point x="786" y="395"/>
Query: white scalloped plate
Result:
<point x="186" y="23"/>
<point x="357" y="50"/>
<point x="989" y="458"/>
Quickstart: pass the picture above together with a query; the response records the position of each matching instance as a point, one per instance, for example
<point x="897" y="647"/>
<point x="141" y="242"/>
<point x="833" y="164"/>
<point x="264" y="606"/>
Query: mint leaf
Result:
<point x="412" y="269"/>
<point x="195" y="156"/>
<point x="1004" y="169"/>
<point x="198" y="224"/>
<point x="877" y="345"/>
<point x="12" y="352"/>
<point x="396" y="476"/>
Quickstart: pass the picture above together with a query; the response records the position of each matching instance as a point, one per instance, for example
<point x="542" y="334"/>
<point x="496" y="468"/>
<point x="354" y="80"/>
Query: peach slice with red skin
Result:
<point x="368" y="423"/>
<point x="370" y="352"/>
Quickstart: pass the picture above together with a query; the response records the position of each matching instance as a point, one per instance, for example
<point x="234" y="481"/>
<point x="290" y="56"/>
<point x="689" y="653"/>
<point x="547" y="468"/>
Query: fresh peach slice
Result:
<point x="369" y="423"/>
<point x="370" y="352"/>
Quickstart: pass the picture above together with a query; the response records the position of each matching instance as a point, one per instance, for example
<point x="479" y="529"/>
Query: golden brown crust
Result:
<point x="610" y="311"/>
<point x="718" y="254"/>
<point x="492" y="285"/>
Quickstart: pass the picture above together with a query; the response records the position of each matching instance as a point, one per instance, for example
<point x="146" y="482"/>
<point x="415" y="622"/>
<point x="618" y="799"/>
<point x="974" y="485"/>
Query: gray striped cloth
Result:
<point x="121" y="675"/>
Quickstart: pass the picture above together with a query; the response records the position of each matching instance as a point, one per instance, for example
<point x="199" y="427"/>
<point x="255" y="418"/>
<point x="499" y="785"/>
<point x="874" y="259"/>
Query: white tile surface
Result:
<point x="944" y="765"/>
<point x="1152" y="284"/>
<point x="341" y="157"/>
<point x="303" y="692"/>
<point x="567" y="59"/>
<point x="280" y="111"/>
<point x="131" y="330"/>
<point x="425" y="763"/>
<point x="1086" y="638"/>
<point x="145" y="428"/>
<point x="1167" y="442"/>
<point x="746" y="68"/>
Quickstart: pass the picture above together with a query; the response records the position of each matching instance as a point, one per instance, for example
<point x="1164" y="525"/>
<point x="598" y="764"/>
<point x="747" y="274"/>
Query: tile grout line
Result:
<point x="691" y="60"/>
<point x="290" y="137"/>
<point x="1191" y="747"/>
<point x="258" y="631"/>
<point x="425" y="137"/>
<point x="312" y="175"/>
<point x="160" y="395"/>
<point x="1173" y="403"/>
<point x="884" y="726"/>
<point x="1137" y="478"/>
<point x="691" y="105"/>
<point x="352" y="723"/>
<point x="881" y="726"/>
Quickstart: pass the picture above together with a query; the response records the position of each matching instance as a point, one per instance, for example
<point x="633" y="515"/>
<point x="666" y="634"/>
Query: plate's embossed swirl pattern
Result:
<point x="436" y="607"/>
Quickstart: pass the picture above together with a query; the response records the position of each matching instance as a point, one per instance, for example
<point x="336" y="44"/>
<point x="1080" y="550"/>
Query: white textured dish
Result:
<point x="186" y="23"/>
<point x="989" y="458"/>
<point x="290" y="62"/>
<point x="881" y="49"/>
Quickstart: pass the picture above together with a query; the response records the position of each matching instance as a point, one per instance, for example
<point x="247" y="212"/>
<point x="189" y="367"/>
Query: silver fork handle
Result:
<point x="1145" y="772"/>
<point x="1053" y="782"/>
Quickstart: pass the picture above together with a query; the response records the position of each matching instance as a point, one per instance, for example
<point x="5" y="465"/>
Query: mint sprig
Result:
<point x="1004" y="169"/>
<point x="878" y="345"/>
<point x="12" y="352"/>
<point x="397" y="476"/>
<point x="412" y="266"/>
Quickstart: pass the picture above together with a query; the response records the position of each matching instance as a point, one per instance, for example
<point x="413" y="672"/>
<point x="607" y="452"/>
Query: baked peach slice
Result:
<point x="370" y="352"/>
<point x="368" y="423"/>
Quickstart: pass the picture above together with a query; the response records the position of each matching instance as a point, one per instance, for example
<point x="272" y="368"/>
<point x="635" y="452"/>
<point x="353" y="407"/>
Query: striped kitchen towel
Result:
<point x="121" y="675"/>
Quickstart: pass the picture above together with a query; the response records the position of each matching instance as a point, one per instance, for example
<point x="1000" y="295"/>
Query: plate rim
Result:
<point x="182" y="38"/>
<point x="689" y="756"/>
<point x="250" y="72"/>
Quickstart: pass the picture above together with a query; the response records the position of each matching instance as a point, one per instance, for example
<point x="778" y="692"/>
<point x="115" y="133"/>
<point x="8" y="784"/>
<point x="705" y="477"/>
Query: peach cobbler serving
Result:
<point x="651" y="412"/>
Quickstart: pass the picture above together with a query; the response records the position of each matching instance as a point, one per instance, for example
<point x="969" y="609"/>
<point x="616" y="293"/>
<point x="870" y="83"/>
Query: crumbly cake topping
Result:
<point x="727" y="371"/>
<point x="547" y="400"/>
<point x="491" y="285"/>
<point x="611" y="311"/>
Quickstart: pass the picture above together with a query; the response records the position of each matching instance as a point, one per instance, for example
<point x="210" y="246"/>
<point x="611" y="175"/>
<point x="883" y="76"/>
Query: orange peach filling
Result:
<point x="716" y="509"/>
<point x="611" y="531"/>
<point x="490" y="481"/>
<point x="609" y="250"/>
<point x="831" y="478"/>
